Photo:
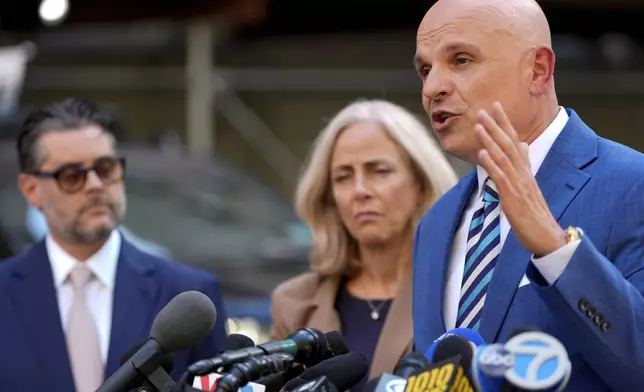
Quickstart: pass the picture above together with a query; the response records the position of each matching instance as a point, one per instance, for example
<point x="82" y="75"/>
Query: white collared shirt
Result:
<point x="99" y="291"/>
<point x="550" y="266"/>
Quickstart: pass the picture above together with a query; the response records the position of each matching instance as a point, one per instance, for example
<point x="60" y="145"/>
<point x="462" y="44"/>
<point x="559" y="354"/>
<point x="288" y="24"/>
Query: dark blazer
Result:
<point x="33" y="354"/>
<point x="308" y="301"/>
<point x="596" y="307"/>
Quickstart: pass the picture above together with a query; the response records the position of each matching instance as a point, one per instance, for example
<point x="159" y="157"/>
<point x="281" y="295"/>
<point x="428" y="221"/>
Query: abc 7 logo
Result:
<point x="540" y="361"/>
<point x="495" y="360"/>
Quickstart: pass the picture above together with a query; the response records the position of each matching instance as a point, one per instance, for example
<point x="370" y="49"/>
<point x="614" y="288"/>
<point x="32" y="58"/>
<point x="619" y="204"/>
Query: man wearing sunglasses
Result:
<point x="80" y="299"/>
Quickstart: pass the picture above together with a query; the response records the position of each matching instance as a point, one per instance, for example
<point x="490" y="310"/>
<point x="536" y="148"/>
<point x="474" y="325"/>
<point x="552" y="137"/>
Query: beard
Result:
<point x="80" y="232"/>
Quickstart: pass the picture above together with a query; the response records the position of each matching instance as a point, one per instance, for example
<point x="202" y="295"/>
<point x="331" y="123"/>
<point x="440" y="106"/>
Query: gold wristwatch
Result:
<point x="573" y="234"/>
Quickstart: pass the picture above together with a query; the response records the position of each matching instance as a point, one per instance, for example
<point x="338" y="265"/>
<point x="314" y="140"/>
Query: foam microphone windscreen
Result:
<point x="336" y="342"/>
<point x="184" y="321"/>
<point x="343" y="371"/>
<point x="236" y="341"/>
<point x="455" y="345"/>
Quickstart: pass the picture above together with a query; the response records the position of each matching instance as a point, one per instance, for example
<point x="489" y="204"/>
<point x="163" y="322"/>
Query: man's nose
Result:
<point x="93" y="180"/>
<point x="436" y="86"/>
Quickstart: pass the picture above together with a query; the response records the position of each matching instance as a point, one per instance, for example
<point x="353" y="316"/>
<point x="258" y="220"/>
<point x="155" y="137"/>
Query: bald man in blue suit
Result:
<point x="548" y="231"/>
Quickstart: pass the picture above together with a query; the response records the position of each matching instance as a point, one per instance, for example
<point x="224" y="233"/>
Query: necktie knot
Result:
<point x="80" y="276"/>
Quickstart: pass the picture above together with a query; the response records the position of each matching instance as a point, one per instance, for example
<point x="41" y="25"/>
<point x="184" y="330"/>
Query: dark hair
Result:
<point x="69" y="114"/>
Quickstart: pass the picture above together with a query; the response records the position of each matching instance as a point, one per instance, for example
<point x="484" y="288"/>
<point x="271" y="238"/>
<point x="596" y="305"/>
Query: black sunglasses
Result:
<point x="72" y="177"/>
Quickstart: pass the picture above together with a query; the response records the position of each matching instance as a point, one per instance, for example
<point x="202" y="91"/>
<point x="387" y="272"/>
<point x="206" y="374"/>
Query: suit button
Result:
<point x="591" y="312"/>
<point x="599" y="320"/>
<point x="584" y="305"/>
<point x="605" y="327"/>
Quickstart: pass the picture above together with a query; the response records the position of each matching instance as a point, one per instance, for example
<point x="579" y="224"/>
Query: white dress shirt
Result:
<point x="99" y="292"/>
<point x="550" y="266"/>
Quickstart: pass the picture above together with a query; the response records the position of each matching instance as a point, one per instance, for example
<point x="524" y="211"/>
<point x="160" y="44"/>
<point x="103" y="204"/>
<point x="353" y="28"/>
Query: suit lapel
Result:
<point x="33" y="294"/>
<point x="324" y="316"/>
<point x="433" y="260"/>
<point x="560" y="181"/>
<point x="135" y="299"/>
<point x="397" y="333"/>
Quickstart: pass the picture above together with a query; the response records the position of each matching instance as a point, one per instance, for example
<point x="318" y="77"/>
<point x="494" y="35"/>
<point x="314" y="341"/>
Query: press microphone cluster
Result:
<point x="189" y="317"/>
<point x="460" y="361"/>
<point x="269" y="366"/>
<point x="306" y="345"/>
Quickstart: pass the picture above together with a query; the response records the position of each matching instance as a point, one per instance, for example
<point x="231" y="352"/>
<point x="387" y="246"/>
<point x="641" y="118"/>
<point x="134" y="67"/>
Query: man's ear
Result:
<point x="29" y="188"/>
<point x="543" y="70"/>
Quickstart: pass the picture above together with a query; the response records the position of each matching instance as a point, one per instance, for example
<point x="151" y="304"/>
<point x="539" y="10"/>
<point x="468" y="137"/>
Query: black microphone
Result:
<point x="410" y="364"/>
<point x="182" y="323"/>
<point x="457" y="346"/>
<point x="306" y="345"/>
<point x="275" y="382"/>
<point x="343" y="371"/>
<point x="234" y="341"/>
<point x="320" y="384"/>
<point x="167" y="363"/>
<point x="242" y="373"/>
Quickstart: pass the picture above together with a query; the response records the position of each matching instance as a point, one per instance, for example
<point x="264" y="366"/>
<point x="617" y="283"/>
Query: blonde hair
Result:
<point x="334" y="250"/>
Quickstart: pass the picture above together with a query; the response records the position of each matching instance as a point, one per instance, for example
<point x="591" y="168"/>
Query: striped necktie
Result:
<point x="483" y="249"/>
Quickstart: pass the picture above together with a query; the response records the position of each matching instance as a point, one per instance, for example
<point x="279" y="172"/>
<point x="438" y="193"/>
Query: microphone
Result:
<point x="233" y="341"/>
<point x="182" y="323"/>
<point x="456" y="346"/>
<point x="530" y="360"/>
<point x="167" y="363"/>
<point x="236" y="341"/>
<point x="306" y="345"/>
<point x="540" y="363"/>
<point x="408" y="366"/>
<point x="440" y="376"/>
<point x="343" y="371"/>
<point x="469" y="334"/>
<point x="320" y="384"/>
<point x="275" y="382"/>
<point x="241" y="373"/>
<point x="411" y="364"/>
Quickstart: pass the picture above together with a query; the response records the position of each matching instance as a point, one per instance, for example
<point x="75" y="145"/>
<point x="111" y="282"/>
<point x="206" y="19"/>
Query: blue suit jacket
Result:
<point x="33" y="354"/>
<point x="588" y="182"/>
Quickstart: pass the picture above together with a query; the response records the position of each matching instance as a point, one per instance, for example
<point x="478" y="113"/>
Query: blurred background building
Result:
<point x="221" y="99"/>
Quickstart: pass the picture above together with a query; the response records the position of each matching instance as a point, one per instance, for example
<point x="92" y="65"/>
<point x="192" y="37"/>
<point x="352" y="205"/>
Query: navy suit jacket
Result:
<point x="33" y="353"/>
<point x="596" y="307"/>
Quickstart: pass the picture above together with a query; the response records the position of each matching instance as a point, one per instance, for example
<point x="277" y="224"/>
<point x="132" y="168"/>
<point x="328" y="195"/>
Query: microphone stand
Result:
<point x="158" y="381"/>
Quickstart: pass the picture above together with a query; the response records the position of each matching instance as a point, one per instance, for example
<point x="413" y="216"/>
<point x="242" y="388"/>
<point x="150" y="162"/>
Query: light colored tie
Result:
<point x="483" y="249"/>
<point x="82" y="336"/>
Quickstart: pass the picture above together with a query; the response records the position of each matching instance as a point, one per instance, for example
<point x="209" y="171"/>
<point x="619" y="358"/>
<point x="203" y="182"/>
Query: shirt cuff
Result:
<point x="553" y="265"/>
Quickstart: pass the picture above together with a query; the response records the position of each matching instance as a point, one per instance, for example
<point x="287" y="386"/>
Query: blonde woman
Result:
<point x="372" y="174"/>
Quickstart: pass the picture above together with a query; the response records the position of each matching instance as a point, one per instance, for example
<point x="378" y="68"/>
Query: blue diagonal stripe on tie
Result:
<point x="475" y="293"/>
<point x="481" y="246"/>
<point x="477" y="325"/>
<point x="488" y="198"/>
<point x="477" y="220"/>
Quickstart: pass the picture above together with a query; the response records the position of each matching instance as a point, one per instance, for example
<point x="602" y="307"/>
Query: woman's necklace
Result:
<point x="375" y="311"/>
